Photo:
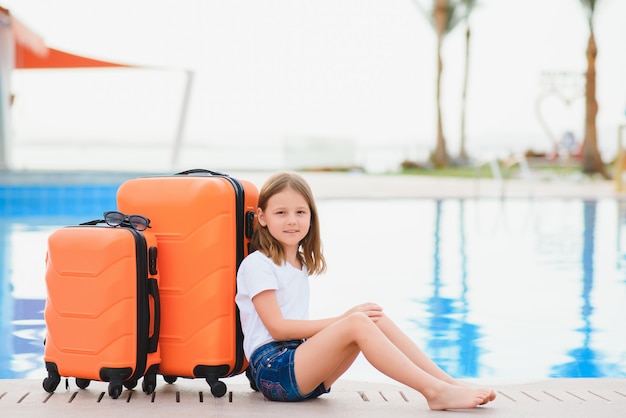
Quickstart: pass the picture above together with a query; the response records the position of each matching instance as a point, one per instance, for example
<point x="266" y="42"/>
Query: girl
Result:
<point x="293" y="357"/>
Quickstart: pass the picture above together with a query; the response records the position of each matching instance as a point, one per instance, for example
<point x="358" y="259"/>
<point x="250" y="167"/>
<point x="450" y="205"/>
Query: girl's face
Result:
<point x="287" y="217"/>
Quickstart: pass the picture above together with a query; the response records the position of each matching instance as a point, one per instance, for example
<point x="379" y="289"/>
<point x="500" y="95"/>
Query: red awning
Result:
<point x="53" y="58"/>
<point x="32" y="52"/>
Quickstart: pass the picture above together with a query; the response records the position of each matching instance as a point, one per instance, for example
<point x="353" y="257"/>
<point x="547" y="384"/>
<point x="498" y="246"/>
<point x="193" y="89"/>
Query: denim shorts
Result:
<point x="272" y="370"/>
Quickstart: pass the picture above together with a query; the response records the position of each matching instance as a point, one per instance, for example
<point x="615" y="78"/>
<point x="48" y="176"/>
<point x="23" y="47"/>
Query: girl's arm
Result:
<point x="282" y="329"/>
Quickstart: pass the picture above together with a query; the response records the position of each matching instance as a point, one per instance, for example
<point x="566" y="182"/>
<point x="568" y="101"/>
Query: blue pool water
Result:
<point x="490" y="288"/>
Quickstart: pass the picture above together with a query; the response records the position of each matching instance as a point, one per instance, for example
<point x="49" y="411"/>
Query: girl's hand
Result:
<point x="372" y="310"/>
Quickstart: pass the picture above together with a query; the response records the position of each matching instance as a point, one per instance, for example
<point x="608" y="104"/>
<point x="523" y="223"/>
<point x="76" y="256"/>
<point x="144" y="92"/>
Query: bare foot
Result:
<point x="449" y="396"/>
<point x="491" y="397"/>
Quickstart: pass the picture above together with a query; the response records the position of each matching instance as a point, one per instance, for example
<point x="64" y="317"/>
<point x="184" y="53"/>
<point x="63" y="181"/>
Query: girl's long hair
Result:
<point x="311" y="245"/>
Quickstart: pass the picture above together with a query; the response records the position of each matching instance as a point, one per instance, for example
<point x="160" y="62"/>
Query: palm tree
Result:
<point x="592" y="161"/>
<point x="468" y="7"/>
<point x="443" y="17"/>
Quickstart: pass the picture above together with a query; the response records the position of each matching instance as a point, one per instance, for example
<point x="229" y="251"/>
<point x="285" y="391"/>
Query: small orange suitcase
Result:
<point x="102" y="307"/>
<point x="203" y="222"/>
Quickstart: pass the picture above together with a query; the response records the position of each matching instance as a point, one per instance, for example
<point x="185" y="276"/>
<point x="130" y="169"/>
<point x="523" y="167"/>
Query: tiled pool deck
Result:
<point x="570" y="398"/>
<point x="540" y="398"/>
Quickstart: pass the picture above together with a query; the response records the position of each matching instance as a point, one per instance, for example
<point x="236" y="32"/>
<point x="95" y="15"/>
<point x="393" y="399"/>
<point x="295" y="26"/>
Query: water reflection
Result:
<point x="22" y="300"/>
<point x="6" y="306"/>
<point x="620" y="237"/>
<point x="584" y="357"/>
<point x="477" y="313"/>
<point x="27" y="214"/>
<point x="469" y="333"/>
<point x="586" y="361"/>
<point x="453" y="339"/>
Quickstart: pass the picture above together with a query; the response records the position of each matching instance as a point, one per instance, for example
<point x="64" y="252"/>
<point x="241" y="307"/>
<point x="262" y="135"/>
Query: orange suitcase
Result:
<point x="203" y="221"/>
<point x="102" y="307"/>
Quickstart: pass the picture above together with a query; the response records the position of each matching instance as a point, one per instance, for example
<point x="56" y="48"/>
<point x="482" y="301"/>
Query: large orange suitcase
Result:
<point x="102" y="307"/>
<point x="203" y="222"/>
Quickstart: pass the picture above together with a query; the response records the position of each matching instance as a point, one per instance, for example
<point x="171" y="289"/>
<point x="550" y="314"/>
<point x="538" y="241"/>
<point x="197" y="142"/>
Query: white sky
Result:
<point x="273" y="70"/>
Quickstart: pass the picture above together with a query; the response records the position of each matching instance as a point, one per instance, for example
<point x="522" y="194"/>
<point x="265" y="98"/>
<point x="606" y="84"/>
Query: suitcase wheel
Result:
<point x="170" y="379"/>
<point x="149" y="384"/>
<point x="51" y="382"/>
<point x="115" y="390"/>
<point x="82" y="383"/>
<point x="218" y="388"/>
<point x="130" y="385"/>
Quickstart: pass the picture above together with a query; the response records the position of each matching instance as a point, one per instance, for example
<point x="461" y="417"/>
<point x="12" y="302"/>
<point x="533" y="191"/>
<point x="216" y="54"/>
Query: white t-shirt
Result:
<point x="258" y="273"/>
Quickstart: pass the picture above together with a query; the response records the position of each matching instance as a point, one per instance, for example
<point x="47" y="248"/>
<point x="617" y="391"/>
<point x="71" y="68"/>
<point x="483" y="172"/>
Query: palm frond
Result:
<point x="427" y="12"/>
<point x="590" y="10"/>
<point x="455" y="12"/>
<point x="455" y="15"/>
<point x="468" y="7"/>
<point x="589" y="5"/>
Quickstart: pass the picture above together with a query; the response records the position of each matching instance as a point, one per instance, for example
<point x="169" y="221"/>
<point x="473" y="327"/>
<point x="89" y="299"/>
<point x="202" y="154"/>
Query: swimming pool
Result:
<point x="491" y="288"/>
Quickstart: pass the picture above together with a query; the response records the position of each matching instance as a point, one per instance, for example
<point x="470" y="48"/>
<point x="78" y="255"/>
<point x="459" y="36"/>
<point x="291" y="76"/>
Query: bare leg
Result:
<point x="413" y="352"/>
<point x="342" y="368"/>
<point x="326" y="353"/>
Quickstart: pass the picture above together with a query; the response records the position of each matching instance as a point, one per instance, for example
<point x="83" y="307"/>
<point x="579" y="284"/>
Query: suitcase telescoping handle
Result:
<point x="153" y="290"/>
<point x="201" y="171"/>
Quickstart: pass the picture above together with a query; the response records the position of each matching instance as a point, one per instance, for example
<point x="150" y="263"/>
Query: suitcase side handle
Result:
<point x="201" y="171"/>
<point x="153" y="290"/>
<point x="249" y="229"/>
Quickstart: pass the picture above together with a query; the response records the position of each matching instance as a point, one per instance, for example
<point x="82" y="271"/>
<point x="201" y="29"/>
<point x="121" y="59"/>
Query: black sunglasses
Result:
<point x="137" y="222"/>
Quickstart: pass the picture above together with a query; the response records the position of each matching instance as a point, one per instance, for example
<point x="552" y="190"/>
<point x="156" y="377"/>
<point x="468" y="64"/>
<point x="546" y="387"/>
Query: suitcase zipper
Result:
<point x="143" y="309"/>
<point x="240" y="206"/>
